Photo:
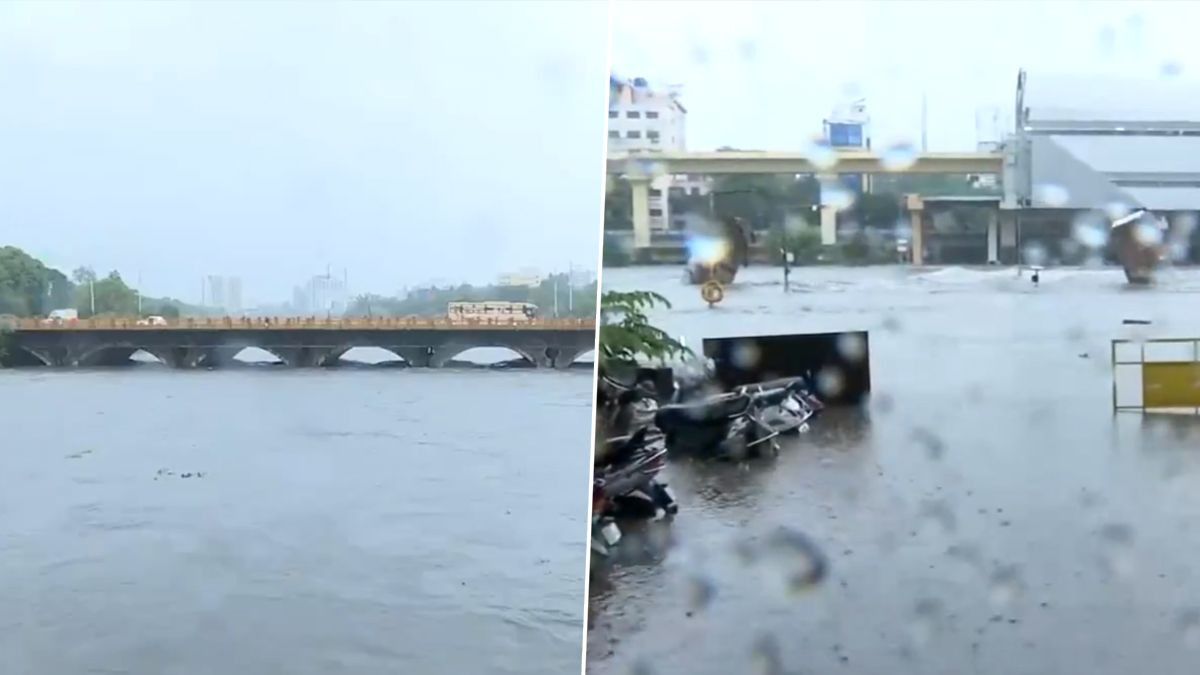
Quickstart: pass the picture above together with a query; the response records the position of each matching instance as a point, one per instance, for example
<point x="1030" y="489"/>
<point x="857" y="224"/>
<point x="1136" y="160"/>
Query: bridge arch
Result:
<point x="117" y="353"/>
<point x="446" y="353"/>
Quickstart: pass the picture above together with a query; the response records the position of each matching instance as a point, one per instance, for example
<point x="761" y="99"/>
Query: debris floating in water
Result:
<point x="1136" y="322"/>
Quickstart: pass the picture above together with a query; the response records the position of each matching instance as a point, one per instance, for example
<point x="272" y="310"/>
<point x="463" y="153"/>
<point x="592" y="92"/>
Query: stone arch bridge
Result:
<point x="202" y="343"/>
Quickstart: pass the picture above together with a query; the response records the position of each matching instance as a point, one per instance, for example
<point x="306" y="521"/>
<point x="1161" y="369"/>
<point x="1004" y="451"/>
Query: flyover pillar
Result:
<point x="993" y="237"/>
<point x="916" y="215"/>
<point x="639" y="188"/>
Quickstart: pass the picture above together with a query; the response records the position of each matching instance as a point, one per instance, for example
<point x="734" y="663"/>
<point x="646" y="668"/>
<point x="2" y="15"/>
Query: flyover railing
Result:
<point x="1159" y="375"/>
<point x="306" y="323"/>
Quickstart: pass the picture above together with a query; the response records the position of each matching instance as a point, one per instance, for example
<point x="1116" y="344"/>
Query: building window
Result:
<point x="633" y="134"/>
<point x="652" y="134"/>
<point x="656" y="213"/>
<point x="614" y="134"/>
<point x="694" y="191"/>
<point x="612" y="114"/>
<point x="655" y="192"/>
<point x="633" y="114"/>
<point x="651" y="115"/>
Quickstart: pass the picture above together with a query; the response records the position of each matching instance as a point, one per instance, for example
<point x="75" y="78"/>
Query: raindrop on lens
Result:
<point x="927" y="615"/>
<point x="701" y="592"/>
<point x="852" y="347"/>
<point x="1035" y="254"/>
<point x="1004" y="585"/>
<point x="766" y="656"/>
<point x="1188" y="623"/>
<point x="821" y="154"/>
<point x="1090" y="232"/>
<point x="899" y="157"/>
<point x="746" y="355"/>
<point x="835" y="195"/>
<point x="830" y="382"/>
<point x="1051" y="195"/>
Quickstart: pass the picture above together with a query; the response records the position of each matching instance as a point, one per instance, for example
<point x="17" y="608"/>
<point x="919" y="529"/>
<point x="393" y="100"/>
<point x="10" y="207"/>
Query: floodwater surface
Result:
<point x="292" y="521"/>
<point x="986" y="513"/>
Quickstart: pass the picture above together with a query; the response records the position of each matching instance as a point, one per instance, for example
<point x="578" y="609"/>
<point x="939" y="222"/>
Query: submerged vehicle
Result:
<point x="1139" y="240"/>
<point x="716" y="252"/>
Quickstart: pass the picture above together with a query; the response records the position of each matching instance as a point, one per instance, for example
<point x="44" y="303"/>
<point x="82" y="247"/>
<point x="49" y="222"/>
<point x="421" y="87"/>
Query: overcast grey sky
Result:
<point x="404" y="141"/>
<point x="763" y="75"/>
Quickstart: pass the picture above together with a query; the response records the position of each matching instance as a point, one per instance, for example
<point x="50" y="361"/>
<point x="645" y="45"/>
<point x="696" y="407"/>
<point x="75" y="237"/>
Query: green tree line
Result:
<point x="29" y="288"/>
<point x="579" y="302"/>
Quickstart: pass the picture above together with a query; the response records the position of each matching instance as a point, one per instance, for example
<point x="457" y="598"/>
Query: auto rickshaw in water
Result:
<point x="715" y="253"/>
<point x="1139" y="239"/>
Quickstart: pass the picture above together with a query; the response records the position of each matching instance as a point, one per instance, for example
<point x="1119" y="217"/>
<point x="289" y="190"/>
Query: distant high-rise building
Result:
<point x="224" y="293"/>
<point x="326" y="294"/>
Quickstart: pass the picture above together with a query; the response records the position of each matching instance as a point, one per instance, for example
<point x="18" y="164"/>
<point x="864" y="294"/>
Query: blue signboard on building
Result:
<point x="845" y="135"/>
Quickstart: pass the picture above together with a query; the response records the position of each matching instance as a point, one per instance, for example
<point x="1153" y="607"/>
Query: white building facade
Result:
<point x="641" y="119"/>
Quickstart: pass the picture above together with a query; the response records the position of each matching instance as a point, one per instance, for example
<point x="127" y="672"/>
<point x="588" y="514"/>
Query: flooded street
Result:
<point x="292" y="521"/>
<point x="986" y="514"/>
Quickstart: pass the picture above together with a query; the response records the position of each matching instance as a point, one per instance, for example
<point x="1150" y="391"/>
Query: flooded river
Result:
<point x="987" y="514"/>
<point x="273" y="521"/>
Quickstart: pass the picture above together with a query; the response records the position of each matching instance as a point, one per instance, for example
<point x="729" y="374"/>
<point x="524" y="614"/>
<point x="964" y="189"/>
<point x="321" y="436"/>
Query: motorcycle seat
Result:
<point x="713" y="410"/>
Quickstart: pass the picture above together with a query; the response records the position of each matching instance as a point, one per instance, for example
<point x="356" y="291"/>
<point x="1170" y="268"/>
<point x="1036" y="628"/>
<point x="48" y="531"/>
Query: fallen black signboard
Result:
<point x="839" y="362"/>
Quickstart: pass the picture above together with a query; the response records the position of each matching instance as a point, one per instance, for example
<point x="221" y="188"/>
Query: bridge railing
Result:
<point x="306" y="323"/>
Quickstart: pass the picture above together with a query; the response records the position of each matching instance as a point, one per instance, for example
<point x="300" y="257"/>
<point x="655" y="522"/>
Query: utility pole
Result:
<point x="92" y="293"/>
<point x="556" y="297"/>
<point x="570" y="288"/>
<point x="924" y="123"/>
<point x="139" y="294"/>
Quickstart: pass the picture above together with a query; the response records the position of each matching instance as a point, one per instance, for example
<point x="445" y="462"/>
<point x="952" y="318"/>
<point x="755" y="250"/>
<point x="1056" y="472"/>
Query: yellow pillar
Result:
<point x="916" y="209"/>
<point x="640" y="188"/>
<point x="828" y="225"/>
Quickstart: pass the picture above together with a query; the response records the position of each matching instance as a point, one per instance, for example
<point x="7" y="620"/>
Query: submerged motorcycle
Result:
<point x="741" y="424"/>
<point x="629" y="476"/>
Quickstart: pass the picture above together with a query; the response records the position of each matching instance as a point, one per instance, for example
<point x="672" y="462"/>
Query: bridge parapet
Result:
<point x="307" y="323"/>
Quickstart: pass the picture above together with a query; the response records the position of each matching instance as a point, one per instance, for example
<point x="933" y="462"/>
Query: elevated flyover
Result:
<point x="639" y="168"/>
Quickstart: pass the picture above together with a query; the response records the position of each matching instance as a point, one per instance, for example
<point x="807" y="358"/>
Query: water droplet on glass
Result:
<point x="940" y="513"/>
<point x="701" y="592"/>
<point x="1117" y="542"/>
<point x="1147" y="234"/>
<point x="1005" y="585"/>
<point x="899" y="157"/>
<point x="642" y="667"/>
<point x="1171" y="69"/>
<point x="836" y="195"/>
<point x="830" y="382"/>
<point x="883" y="402"/>
<point x="1116" y="210"/>
<point x="1188" y="623"/>
<point x="852" y="347"/>
<point x="1035" y="254"/>
<point x="821" y="154"/>
<point x="699" y="55"/>
<point x="926" y="621"/>
<point x="766" y="657"/>
<point x="1090" y="230"/>
<point x="891" y="324"/>
<point x="1050" y="194"/>
<point x="787" y="557"/>
<point x="748" y="49"/>
<point x="746" y="355"/>
<point x="934" y="447"/>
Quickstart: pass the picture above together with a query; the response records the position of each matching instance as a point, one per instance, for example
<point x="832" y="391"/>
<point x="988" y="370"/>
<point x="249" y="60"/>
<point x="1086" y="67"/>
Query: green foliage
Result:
<point x="28" y="287"/>
<point x="877" y="210"/>
<point x="111" y="294"/>
<point x="579" y="302"/>
<point x="803" y="242"/>
<point x="618" y="205"/>
<point x="764" y="201"/>
<point x="616" y="251"/>
<point x="626" y="335"/>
